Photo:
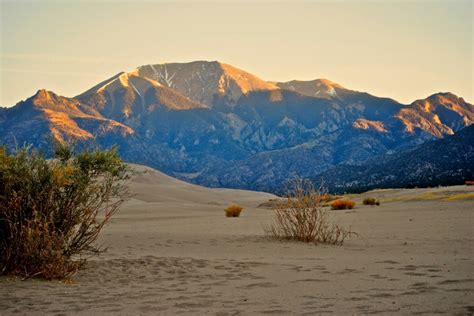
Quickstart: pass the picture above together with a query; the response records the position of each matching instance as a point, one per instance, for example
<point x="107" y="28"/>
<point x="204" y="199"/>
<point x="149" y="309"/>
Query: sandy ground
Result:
<point x="172" y="251"/>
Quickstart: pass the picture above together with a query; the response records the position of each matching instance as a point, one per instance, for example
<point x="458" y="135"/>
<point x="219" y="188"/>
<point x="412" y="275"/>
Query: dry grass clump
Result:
<point x="301" y="217"/>
<point x="233" y="210"/>
<point x="370" y="201"/>
<point x="342" y="205"/>
<point x="51" y="212"/>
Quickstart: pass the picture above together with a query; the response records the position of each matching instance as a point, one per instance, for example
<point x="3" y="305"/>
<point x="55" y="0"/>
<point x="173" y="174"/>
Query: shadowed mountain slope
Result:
<point x="446" y="161"/>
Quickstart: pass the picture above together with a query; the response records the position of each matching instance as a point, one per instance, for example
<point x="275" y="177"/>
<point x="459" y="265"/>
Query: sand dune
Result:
<point x="172" y="251"/>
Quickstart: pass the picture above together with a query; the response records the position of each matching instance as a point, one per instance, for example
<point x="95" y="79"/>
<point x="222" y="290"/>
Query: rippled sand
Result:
<point x="172" y="250"/>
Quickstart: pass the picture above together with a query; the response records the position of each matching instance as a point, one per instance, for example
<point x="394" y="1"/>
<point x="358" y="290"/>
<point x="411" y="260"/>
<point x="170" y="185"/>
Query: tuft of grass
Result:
<point x="370" y="201"/>
<point x="301" y="217"/>
<point x="342" y="205"/>
<point x="233" y="210"/>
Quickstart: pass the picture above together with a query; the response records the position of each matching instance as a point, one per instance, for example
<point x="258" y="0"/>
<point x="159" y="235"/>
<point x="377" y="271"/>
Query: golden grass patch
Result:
<point x="432" y="196"/>
<point x="456" y="197"/>
<point x="233" y="210"/>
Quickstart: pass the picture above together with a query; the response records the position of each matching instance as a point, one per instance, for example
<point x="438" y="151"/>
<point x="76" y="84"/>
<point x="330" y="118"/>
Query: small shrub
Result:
<point x="233" y="210"/>
<point x="301" y="217"/>
<point x="342" y="205"/>
<point x="52" y="211"/>
<point x="370" y="201"/>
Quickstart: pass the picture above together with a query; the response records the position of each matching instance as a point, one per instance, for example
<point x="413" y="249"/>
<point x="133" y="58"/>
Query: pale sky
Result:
<point x="405" y="50"/>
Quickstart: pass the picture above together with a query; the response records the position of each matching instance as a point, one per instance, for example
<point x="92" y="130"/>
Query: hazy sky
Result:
<point x="406" y="50"/>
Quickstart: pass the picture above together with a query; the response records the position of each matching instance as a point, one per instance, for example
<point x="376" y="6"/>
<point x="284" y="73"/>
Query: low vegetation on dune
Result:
<point x="370" y="201"/>
<point x="342" y="205"/>
<point x="301" y="217"/>
<point x="463" y="196"/>
<point x="52" y="211"/>
<point x="233" y="210"/>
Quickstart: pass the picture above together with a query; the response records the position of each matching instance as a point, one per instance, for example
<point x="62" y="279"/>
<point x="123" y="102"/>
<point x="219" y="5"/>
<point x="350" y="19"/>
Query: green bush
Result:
<point x="52" y="211"/>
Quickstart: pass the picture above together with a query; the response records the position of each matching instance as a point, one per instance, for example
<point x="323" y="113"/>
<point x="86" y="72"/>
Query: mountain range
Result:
<point x="215" y="125"/>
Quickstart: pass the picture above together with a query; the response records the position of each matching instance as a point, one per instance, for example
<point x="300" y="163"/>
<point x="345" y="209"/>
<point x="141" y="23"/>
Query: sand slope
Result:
<point x="172" y="251"/>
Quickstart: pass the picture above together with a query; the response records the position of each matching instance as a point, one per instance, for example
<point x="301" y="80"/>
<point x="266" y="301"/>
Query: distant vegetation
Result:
<point x="342" y="205"/>
<point x="301" y="217"/>
<point x="371" y="201"/>
<point x="52" y="211"/>
<point x="233" y="210"/>
<point x="456" y="197"/>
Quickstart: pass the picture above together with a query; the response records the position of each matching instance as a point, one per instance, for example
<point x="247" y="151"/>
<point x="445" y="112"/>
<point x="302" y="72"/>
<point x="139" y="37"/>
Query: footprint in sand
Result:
<point x="350" y="270"/>
<point x="388" y="261"/>
<point x="415" y="273"/>
<point x="310" y="280"/>
<point x="458" y="281"/>
<point x="408" y="268"/>
<point x="381" y="295"/>
<point x="258" y="285"/>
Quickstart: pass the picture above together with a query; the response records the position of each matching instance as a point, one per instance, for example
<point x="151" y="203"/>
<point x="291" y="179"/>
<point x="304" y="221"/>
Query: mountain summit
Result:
<point x="217" y="125"/>
<point x="203" y="81"/>
<point x="321" y="88"/>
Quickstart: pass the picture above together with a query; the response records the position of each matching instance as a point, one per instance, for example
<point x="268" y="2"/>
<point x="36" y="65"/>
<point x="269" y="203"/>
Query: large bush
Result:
<point x="52" y="211"/>
<point x="301" y="217"/>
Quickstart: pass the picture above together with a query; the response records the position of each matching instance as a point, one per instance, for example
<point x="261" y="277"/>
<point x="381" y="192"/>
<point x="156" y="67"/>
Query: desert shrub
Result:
<point x="371" y="201"/>
<point x="233" y="210"/>
<point x="52" y="211"/>
<point x="342" y="205"/>
<point x="301" y="217"/>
